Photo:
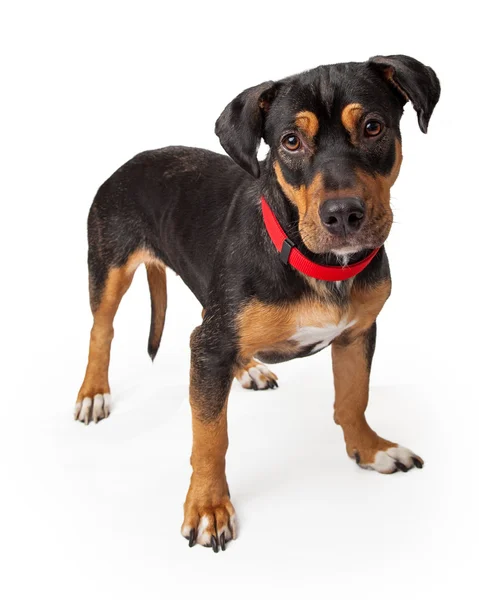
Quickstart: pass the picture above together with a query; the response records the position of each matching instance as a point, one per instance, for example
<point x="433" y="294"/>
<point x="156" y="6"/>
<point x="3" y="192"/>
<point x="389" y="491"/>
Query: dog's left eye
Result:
<point x="291" y="142"/>
<point x="372" y="128"/>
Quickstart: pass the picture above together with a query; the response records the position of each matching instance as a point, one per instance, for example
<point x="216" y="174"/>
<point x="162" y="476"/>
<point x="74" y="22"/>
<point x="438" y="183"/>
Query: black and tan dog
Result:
<point x="286" y="256"/>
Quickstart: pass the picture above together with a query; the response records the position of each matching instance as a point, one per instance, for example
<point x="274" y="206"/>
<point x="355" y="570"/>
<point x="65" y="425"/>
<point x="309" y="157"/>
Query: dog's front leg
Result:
<point x="351" y="366"/>
<point x="209" y="515"/>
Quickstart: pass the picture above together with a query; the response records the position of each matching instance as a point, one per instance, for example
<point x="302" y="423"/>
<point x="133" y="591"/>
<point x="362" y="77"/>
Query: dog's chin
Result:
<point x="348" y="247"/>
<point x="347" y="251"/>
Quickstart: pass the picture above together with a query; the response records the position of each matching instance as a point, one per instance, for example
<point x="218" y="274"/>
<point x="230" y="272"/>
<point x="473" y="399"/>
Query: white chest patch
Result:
<point x="320" y="336"/>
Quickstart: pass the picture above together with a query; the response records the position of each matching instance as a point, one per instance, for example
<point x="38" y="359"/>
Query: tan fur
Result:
<point x="365" y="305"/>
<point x="208" y="494"/>
<point x="351" y="382"/>
<point x="117" y="283"/>
<point x="350" y="116"/>
<point x="308" y="122"/>
<point x="307" y="201"/>
<point x="378" y="186"/>
<point x="269" y="327"/>
<point x="351" y="375"/>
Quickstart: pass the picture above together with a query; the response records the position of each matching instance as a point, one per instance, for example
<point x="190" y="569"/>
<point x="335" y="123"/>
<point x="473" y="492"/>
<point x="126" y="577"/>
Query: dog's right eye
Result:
<point x="291" y="142"/>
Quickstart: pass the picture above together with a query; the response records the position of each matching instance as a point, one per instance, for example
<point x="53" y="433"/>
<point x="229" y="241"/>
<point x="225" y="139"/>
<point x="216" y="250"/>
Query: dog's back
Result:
<point x="172" y="203"/>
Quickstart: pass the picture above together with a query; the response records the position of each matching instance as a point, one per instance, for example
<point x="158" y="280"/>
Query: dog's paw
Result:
<point x="210" y="518"/>
<point x="92" y="408"/>
<point x="393" y="459"/>
<point x="256" y="376"/>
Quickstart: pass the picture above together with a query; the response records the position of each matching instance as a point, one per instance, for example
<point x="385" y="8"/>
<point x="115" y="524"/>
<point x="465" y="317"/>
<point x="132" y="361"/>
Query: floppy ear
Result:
<point x="414" y="81"/>
<point x="240" y="126"/>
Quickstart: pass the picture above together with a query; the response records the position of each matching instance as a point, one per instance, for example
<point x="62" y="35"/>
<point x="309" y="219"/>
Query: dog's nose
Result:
<point x="342" y="216"/>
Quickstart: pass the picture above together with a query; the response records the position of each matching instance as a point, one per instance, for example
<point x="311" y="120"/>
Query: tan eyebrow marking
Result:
<point x="308" y="122"/>
<point x="350" y="116"/>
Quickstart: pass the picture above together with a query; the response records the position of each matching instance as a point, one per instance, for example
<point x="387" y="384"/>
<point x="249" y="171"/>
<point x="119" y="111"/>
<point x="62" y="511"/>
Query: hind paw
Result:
<point x="93" y="408"/>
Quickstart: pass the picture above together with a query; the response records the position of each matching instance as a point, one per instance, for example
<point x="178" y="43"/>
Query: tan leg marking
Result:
<point x="256" y="376"/>
<point x="351" y="382"/>
<point x="209" y="516"/>
<point x="94" y="402"/>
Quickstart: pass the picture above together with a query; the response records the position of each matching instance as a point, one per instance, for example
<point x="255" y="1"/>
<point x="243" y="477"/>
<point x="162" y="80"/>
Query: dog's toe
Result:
<point x="391" y="460"/>
<point x="211" y="527"/>
<point x="92" y="409"/>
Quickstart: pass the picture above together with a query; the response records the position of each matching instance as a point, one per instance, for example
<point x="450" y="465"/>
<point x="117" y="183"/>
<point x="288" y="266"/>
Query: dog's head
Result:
<point x="335" y="144"/>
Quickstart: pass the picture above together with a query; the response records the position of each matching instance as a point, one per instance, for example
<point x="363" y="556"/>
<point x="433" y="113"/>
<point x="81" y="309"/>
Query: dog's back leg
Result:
<point x="107" y="287"/>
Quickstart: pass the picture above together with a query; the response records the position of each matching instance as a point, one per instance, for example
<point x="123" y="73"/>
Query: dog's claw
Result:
<point x="192" y="538"/>
<point x="417" y="463"/>
<point x="254" y="386"/>
<point x="357" y="458"/>
<point x="401" y="467"/>
<point x="223" y="541"/>
<point x="214" y="544"/>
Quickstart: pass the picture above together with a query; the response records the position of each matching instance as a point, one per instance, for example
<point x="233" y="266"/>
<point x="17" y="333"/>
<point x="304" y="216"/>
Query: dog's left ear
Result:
<point x="240" y="126"/>
<point x="414" y="81"/>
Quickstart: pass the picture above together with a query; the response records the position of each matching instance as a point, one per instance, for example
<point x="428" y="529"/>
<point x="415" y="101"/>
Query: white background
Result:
<point x="96" y="511"/>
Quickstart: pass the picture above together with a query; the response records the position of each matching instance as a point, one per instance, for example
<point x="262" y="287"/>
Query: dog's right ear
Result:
<point x="240" y="126"/>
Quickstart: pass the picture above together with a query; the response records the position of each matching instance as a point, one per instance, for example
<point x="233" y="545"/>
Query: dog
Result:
<point x="285" y="256"/>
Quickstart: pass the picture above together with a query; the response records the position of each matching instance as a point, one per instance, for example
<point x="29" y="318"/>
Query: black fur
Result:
<point x="370" y="340"/>
<point x="415" y="82"/>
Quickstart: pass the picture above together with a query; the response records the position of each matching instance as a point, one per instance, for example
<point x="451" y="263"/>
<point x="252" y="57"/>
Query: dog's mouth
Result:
<point x="347" y="247"/>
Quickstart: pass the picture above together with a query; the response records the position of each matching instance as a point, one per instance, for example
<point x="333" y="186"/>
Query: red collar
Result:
<point x="289" y="254"/>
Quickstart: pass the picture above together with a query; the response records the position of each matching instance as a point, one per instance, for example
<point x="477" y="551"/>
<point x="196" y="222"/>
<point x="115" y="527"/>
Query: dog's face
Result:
<point x="335" y="144"/>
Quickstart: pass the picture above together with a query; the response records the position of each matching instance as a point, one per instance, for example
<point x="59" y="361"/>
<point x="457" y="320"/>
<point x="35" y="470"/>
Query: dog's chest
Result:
<point x="281" y="331"/>
<point x="278" y="333"/>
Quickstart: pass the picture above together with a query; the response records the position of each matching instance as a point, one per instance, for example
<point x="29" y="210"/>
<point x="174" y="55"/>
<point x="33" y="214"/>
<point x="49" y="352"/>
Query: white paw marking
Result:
<point x="93" y="409"/>
<point x="385" y="461"/>
<point x="233" y="526"/>
<point x="259" y="375"/>
<point x="203" y="536"/>
<point x="321" y="336"/>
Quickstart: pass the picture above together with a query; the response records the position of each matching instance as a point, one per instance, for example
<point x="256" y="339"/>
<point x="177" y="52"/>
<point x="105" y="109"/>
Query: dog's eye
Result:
<point x="291" y="142"/>
<point x="372" y="128"/>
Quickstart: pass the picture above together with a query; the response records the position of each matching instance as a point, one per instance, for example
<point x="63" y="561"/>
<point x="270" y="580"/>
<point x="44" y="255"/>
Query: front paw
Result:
<point x="256" y="376"/>
<point x="210" y="518"/>
<point x="388" y="459"/>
